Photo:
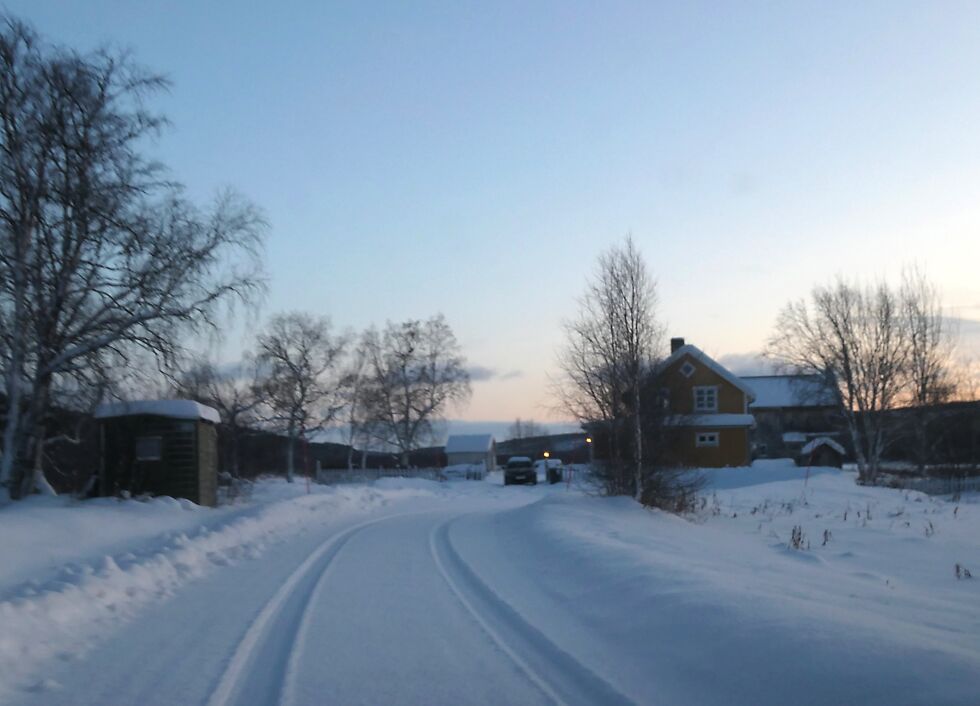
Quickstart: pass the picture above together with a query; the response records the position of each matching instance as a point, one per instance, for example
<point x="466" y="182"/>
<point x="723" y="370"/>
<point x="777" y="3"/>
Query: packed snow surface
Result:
<point x="788" y="585"/>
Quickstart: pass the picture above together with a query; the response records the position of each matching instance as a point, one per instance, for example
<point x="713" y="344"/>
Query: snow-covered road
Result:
<point x="383" y="610"/>
<point x="413" y="592"/>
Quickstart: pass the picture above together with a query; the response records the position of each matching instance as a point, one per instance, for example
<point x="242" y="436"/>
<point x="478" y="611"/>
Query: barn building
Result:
<point x="791" y="410"/>
<point x="472" y="449"/>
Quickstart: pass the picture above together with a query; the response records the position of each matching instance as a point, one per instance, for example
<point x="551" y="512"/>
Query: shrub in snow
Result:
<point x="962" y="572"/>
<point x="797" y="538"/>
<point x="675" y="491"/>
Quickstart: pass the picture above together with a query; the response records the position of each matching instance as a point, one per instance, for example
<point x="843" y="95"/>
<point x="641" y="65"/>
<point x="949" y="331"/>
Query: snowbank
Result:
<point x="96" y="562"/>
<point x="721" y="609"/>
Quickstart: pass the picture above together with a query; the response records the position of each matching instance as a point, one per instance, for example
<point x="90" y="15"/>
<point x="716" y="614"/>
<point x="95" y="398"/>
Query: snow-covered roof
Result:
<point x="790" y="391"/>
<point x="469" y="443"/>
<point x="708" y="362"/>
<point x="175" y="409"/>
<point x="711" y="420"/>
<point x="794" y="437"/>
<point x="822" y="441"/>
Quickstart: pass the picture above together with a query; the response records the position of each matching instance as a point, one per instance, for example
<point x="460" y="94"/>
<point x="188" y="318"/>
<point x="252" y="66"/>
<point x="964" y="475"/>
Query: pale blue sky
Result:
<point x="474" y="159"/>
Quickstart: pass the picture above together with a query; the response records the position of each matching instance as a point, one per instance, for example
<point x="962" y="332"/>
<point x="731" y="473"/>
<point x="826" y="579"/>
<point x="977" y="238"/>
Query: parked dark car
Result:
<point x="520" y="469"/>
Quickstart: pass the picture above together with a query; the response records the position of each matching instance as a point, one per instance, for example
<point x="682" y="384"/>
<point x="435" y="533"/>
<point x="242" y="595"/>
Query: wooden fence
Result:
<point x="943" y="486"/>
<point x="330" y="476"/>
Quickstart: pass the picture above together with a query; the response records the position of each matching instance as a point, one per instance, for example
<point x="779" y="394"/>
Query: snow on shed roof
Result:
<point x="468" y="443"/>
<point x="710" y="363"/>
<point x="790" y="391"/>
<point x="175" y="409"/>
<point x="822" y="441"/>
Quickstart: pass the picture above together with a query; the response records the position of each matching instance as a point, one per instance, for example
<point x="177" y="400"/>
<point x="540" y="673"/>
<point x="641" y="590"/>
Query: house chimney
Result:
<point x="676" y="343"/>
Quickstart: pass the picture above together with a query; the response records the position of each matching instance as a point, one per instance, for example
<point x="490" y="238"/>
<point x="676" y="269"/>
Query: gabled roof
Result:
<point x="174" y="409"/>
<point x="790" y="391"/>
<point x="710" y="363"/>
<point x="469" y="443"/>
<point x="822" y="441"/>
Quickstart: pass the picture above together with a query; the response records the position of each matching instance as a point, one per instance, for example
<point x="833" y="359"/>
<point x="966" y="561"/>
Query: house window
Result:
<point x="709" y="438"/>
<point x="687" y="370"/>
<point x="665" y="397"/>
<point x="706" y="398"/>
<point x="149" y="448"/>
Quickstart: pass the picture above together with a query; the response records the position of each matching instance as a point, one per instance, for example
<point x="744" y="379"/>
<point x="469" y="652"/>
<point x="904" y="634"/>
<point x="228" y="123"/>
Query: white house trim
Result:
<point x="705" y="360"/>
<point x="710" y="421"/>
<point x="706" y="439"/>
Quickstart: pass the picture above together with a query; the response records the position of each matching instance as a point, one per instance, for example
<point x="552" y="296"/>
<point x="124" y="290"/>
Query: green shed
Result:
<point x="159" y="447"/>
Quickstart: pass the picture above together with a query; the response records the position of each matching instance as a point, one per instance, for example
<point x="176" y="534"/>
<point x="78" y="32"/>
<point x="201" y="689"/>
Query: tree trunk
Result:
<point x="638" y="432"/>
<point x="13" y="431"/>
<point x="235" y="434"/>
<point x="12" y="434"/>
<point x="28" y="470"/>
<point x="290" y="454"/>
<point x="35" y="480"/>
<point x="859" y="456"/>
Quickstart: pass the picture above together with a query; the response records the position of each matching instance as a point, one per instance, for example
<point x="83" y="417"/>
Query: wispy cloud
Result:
<point x="480" y="373"/>
<point x="752" y="363"/>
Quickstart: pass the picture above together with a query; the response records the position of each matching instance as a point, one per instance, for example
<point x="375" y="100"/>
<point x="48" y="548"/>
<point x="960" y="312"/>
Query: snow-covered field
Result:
<point x="410" y="591"/>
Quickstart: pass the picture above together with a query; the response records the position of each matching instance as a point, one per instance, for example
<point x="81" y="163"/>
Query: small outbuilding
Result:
<point x="472" y="449"/>
<point x="822" y="451"/>
<point x="159" y="447"/>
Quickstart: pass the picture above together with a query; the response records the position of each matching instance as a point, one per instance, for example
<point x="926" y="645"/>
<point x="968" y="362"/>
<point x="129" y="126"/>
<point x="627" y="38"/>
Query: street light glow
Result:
<point x="588" y="440"/>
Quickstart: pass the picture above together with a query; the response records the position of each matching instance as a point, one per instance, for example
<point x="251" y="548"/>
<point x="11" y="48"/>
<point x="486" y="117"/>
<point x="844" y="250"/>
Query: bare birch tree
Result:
<point x="356" y="411"/>
<point x="610" y="349"/>
<point x="857" y="338"/>
<point x="525" y="428"/>
<point x="416" y="373"/>
<point x="233" y="392"/>
<point x="99" y="252"/>
<point x="929" y="376"/>
<point x="301" y="362"/>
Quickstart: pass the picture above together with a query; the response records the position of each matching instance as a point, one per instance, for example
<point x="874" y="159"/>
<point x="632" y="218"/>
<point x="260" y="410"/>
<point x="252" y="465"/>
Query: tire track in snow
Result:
<point x="559" y="675"/>
<point x="263" y="667"/>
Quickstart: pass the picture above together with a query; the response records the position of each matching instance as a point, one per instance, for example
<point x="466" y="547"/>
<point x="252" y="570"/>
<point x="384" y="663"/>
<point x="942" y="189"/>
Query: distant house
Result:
<point x="472" y="449"/>
<point x="790" y="411"/>
<point x="707" y="409"/>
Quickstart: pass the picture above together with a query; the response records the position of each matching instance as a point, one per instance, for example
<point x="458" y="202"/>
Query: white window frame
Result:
<point x="714" y="393"/>
<point x="688" y="369"/>
<point x="707" y="439"/>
